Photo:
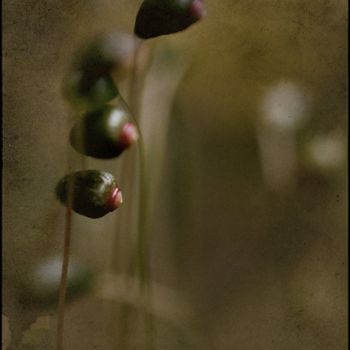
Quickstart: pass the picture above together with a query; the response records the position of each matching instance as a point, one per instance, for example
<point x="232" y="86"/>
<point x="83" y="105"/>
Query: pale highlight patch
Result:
<point x="6" y="333"/>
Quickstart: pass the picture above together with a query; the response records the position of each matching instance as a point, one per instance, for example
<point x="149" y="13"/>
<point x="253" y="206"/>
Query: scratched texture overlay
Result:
<point x="249" y="231"/>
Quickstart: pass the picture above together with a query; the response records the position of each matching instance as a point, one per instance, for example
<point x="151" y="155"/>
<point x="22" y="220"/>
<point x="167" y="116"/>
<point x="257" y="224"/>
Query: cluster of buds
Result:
<point x="105" y="130"/>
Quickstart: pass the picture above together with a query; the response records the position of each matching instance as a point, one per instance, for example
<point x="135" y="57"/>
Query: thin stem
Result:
<point x="134" y="83"/>
<point x="142" y="255"/>
<point x="143" y="252"/>
<point x="122" y="248"/>
<point x="64" y="277"/>
<point x="65" y="261"/>
<point x="128" y="174"/>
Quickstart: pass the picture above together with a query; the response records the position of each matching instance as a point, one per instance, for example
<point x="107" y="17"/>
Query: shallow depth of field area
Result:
<point x="244" y="122"/>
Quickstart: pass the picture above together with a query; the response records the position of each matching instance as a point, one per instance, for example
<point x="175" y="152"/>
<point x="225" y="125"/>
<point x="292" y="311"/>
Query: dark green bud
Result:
<point x="92" y="193"/>
<point x="161" y="17"/>
<point x="104" y="133"/>
<point x="89" y="90"/>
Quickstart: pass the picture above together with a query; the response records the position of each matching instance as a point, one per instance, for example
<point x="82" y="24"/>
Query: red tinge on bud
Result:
<point x="115" y="199"/>
<point x="197" y="9"/>
<point x="91" y="193"/>
<point x="129" y="134"/>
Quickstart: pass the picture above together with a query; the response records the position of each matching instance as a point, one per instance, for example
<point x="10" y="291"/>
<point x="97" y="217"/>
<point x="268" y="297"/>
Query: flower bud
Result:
<point x="104" y="133"/>
<point x="160" y="17"/>
<point x="92" y="193"/>
<point x="90" y="89"/>
<point x="109" y="52"/>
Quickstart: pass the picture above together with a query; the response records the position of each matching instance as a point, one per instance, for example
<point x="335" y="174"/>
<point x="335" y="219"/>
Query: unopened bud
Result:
<point x="104" y="133"/>
<point x="161" y="17"/>
<point x="91" y="193"/>
<point x="89" y="90"/>
<point x="108" y="52"/>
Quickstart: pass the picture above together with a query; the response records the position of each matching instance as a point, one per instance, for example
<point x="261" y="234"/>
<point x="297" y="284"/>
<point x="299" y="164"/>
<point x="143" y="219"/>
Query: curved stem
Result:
<point x="64" y="277"/>
<point x="134" y="83"/>
<point x="65" y="261"/>
<point x="139" y="253"/>
<point x="142" y="254"/>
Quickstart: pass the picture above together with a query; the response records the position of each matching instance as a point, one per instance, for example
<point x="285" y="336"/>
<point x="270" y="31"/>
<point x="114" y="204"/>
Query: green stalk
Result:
<point x="139" y="253"/>
<point x="66" y="251"/>
<point x="64" y="277"/>
<point x="142" y="254"/>
<point x="65" y="265"/>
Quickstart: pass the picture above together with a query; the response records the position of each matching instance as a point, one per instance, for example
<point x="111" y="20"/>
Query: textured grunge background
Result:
<point x="260" y="262"/>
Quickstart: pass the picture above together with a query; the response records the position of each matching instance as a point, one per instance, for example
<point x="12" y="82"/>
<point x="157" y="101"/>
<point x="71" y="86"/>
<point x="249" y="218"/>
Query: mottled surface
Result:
<point x="262" y="269"/>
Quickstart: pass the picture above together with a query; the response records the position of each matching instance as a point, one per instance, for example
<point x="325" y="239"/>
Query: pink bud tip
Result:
<point x="115" y="200"/>
<point x="129" y="134"/>
<point x="197" y="9"/>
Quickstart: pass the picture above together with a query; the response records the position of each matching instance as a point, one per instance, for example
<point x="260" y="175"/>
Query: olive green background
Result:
<point x="261" y="270"/>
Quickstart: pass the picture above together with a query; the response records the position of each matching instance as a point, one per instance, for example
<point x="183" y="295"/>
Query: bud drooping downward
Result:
<point x="94" y="193"/>
<point x="161" y="17"/>
<point x="104" y="133"/>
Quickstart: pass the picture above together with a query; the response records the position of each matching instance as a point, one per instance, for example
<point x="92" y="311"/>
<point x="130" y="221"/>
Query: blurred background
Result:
<point x="244" y="117"/>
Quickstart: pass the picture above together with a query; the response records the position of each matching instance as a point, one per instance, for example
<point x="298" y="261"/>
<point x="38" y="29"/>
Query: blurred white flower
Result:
<point x="283" y="110"/>
<point x="326" y="152"/>
<point x="48" y="273"/>
<point x="284" y="105"/>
